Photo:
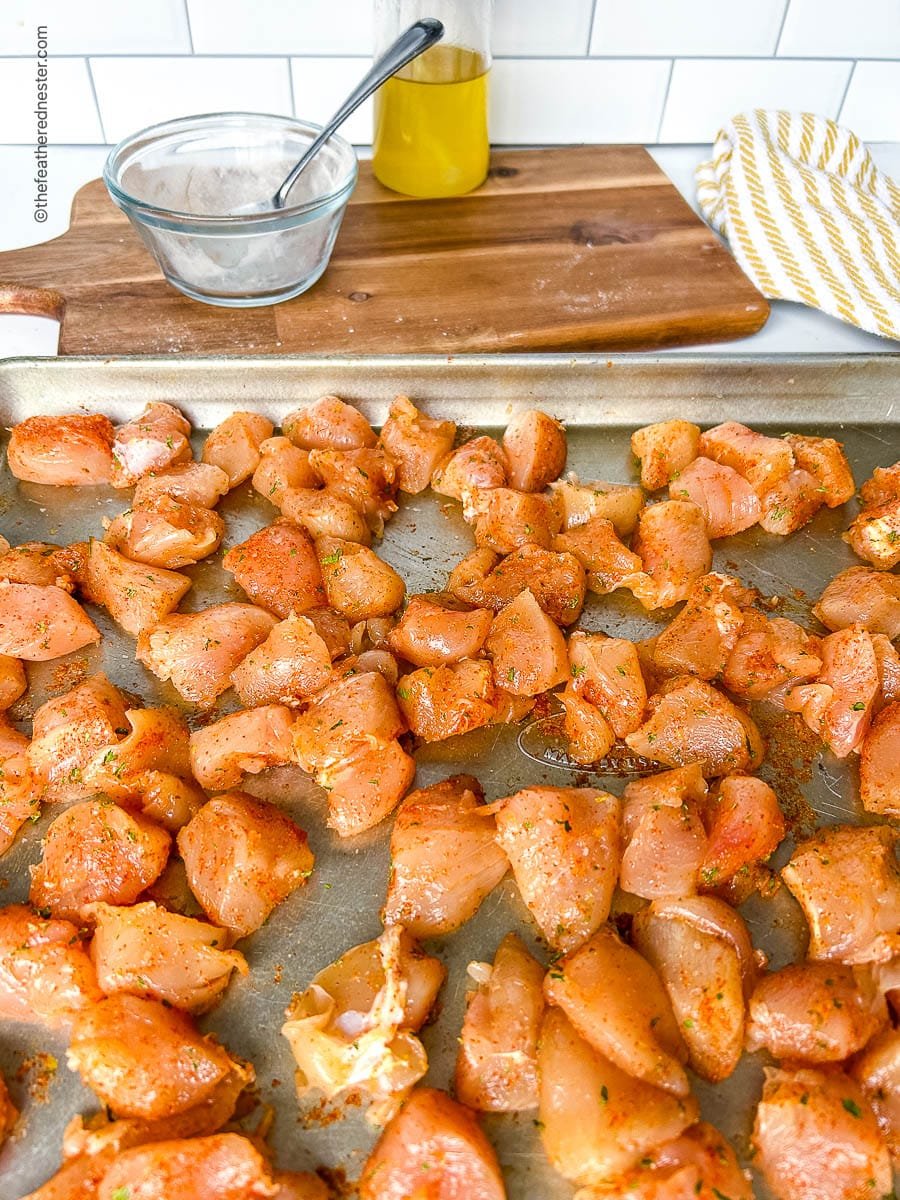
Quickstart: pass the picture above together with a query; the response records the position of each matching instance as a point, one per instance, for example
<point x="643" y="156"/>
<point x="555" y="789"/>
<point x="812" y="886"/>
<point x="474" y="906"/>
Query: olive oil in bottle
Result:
<point x="431" y="135"/>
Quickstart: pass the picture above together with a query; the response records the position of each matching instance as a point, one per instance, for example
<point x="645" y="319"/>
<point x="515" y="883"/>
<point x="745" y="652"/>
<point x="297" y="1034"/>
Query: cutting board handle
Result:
<point x="31" y="301"/>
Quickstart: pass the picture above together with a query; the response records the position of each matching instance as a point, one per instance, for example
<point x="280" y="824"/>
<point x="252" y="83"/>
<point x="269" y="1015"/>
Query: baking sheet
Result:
<point x="602" y="400"/>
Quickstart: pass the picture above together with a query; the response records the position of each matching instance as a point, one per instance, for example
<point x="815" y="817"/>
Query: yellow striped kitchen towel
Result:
<point x="808" y="215"/>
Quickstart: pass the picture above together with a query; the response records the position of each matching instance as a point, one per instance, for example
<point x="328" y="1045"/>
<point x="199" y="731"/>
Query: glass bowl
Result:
<point x="179" y="183"/>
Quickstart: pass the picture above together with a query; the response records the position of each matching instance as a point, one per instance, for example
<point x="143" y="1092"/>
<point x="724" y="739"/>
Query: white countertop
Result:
<point x="791" y="328"/>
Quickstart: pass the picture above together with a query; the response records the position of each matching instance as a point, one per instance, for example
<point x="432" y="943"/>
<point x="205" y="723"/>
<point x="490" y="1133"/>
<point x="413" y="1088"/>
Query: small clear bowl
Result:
<point x="179" y="182"/>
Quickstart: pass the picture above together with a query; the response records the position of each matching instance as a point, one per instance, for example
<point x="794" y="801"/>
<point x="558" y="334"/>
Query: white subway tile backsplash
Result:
<point x="705" y="93"/>
<point x="96" y="27"/>
<point x="688" y="27"/>
<point x="321" y="84"/>
<point x="134" y="92"/>
<point x="872" y="106"/>
<point x="281" y="26"/>
<point x="71" y="111"/>
<point x="559" y="101"/>
<point x="832" y="29"/>
<point x="535" y="28"/>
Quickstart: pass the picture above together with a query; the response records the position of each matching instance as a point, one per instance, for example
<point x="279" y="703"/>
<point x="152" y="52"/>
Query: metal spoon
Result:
<point x="409" y="45"/>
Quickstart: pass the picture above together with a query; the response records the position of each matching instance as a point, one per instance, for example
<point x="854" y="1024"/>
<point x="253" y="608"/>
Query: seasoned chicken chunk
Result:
<point x="762" y="460"/>
<point x="788" y="504"/>
<point x="356" y="712"/>
<point x="46" y="975"/>
<point x="416" y="444"/>
<point x="442" y="702"/>
<point x="579" y="503"/>
<point x="366" y="479"/>
<point x="673" y="546"/>
<point x="665" y="842"/>
<point x="535" y="447"/>
<point x="504" y="519"/>
<point x="824" y="459"/>
<point x="433" y="1147"/>
<point x="496" y="1068"/>
<point x="19" y="791"/>
<point x="698" y="1165"/>
<point x="282" y="466"/>
<point x="879" y="764"/>
<point x="606" y="672"/>
<point x="861" y="596"/>
<point x="699" y="640"/>
<point x="324" y="514"/>
<point x="744" y="826"/>
<point x="39" y="563"/>
<point x="877" y="1070"/>
<point x="444" y="858"/>
<point x="249" y="740"/>
<point x="234" y="445"/>
<point x="358" y="583"/>
<point x="191" y="482"/>
<point x="67" y="732"/>
<point x="839" y="704"/>
<point x="366" y="788"/>
<point x="198" y="651"/>
<point x="555" y="579"/>
<point x="292" y="663"/>
<point x="156" y="439"/>
<point x="882" y="485"/>
<point x="664" y="450"/>
<point x="223" y="1166"/>
<point x="527" y="648"/>
<point x="165" y="532"/>
<point x="67" y="451"/>
<point x="875" y="535"/>
<point x="41" y="623"/>
<point x="770" y="656"/>
<point x="278" y="569"/>
<point x="726" y="499"/>
<point x="135" y="595"/>
<point x="243" y="857"/>
<point x="328" y="424"/>
<point x="563" y="846"/>
<point x="608" y="562"/>
<point x="479" y="463"/>
<point x="436" y="629"/>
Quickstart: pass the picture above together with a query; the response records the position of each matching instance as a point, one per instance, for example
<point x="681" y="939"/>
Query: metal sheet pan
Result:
<point x="602" y="400"/>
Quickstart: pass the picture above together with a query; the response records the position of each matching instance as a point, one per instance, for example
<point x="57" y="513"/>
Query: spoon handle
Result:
<point x="409" y="45"/>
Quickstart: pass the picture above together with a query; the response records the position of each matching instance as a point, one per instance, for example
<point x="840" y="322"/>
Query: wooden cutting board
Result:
<point x="582" y="248"/>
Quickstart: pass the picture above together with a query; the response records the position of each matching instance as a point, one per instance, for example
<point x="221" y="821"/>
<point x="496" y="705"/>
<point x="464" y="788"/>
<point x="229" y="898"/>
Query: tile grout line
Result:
<point x="90" y="74"/>
<point x="840" y="107"/>
<point x="662" y="112"/>
<point x="187" y="17"/>
<point x="569" y="58"/>
<point x="591" y="23"/>
<point x="290" y="71"/>
<point x="784" y="17"/>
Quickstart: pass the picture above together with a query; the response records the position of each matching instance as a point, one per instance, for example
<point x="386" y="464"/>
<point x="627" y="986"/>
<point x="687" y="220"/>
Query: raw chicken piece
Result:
<point x="702" y="951"/>
<point x="234" y="445"/>
<point x="875" y="535"/>
<point x="771" y="655"/>
<point x="249" y="740"/>
<point x="19" y="794"/>
<point x="699" y="640"/>
<point x="664" y="450"/>
<point x="824" y="459"/>
<point x="672" y="544"/>
<point x="365" y="478"/>
<point x="848" y="885"/>
<point x="328" y="424"/>
<point x="444" y="858"/>
<point x="882" y="485"/>
<point x="877" y="1071"/>
<point x="9" y="1114"/>
<point x="791" y="502"/>
<point x="278" y="569"/>
<point x="358" y="583"/>
<point x="436" y="629"/>
<point x="496" y="1068"/>
<point x="225" y="1166"/>
<point x="617" y="1002"/>
<point x="156" y="439"/>
<point x="838" y="706"/>
<point x="887" y="659"/>
<point x="762" y="460"/>
<point x="68" y="731"/>
<point x="353" y="714"/>
<point x="147" y="951"/>
<point x="479" y="463"/>
<point x="324" y="514"/>
<point x="535" y="446"/>
<point x="527" y="648"/>
<point x="879" y="764"/>
<point x="816" y="1138"/>
<point x="97" y="850"/>
<point x="354" y="1027"/>
<point x="13" y="681"/>
<point x="608" y="562"/>
<point x="69" y="451"/>
<point x="40" y="623"/>
<point x="192" y="482"/>
<point x="563" y="846"/>
<point x="555" y="579"/>
<point x="300" y="1185"/>
<point x="744" y="825"/>
<point x="333" y="628"/>
<point x="144" y="1059"/>
<point x="136" y="596"/>
<point x="434" y="1147"/>
<point x="365" y="789"/>
<point x="165" y="532"/>
<point x="590" y="736"/>
<point x="690" y="721"/>
<point x="596" y="1121"/>
<point x="505" y="519"/>
<point x="198" y="651"/>
<point x="292" y="663"/>
<point x="665" y="842"/>
<point x="606" y="672"/>
<point x="441" y="702"/>
<point x="40" y="563"/>
<point x="861" y="596"/>
<point x="417" y="444"/>
<point x="45" y="973"/>
<point x="282" y="465"/>
<point x="243" y="857"/>
<point x="726" y="499"/>
<point x="698" y="1165"/>
<point x="815" y="1012"/>
<point x="578" y="503"/>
